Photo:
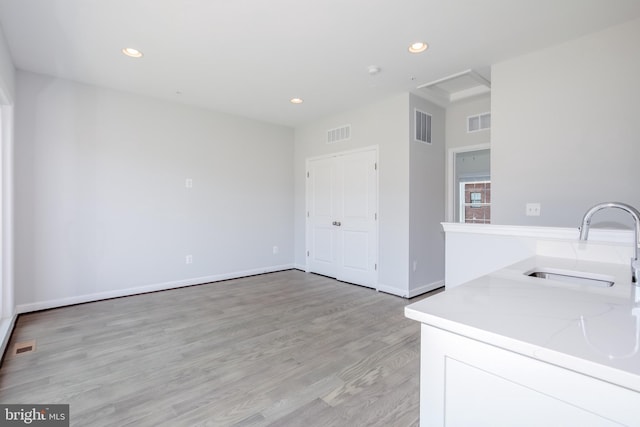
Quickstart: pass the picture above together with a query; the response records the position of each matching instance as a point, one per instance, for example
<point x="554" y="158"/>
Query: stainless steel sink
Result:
<point x="575" y="277"/>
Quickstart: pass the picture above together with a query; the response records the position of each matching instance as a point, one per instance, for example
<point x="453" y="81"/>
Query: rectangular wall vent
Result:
<point x="479" y="122"/>
<point x="422" y="127"/>
<point x="342" y="133"/>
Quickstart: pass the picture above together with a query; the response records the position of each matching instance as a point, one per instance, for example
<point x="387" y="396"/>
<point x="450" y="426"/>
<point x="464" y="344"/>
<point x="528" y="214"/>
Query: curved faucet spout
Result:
<point x="586" y="223"/>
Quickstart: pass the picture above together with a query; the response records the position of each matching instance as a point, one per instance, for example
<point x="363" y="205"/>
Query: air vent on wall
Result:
<point x="423" y="127"/>
<point x="342" y="133"/>
<point x="479" y="122"/>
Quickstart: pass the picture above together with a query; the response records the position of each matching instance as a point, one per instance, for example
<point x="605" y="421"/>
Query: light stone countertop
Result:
<point x="588" y="329"/>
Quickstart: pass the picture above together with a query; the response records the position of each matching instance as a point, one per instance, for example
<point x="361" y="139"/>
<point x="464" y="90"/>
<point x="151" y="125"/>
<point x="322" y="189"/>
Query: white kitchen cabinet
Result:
<point x="464" y="382"/>
<point x="509" y="349"/>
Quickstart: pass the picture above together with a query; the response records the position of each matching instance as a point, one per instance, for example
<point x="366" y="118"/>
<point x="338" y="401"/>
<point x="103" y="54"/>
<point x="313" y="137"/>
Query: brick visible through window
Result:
<point x="477" y="202"/>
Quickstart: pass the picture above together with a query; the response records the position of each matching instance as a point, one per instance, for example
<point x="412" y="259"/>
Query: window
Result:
<point x="475" y="206"/>
<point x="476" y="199"/>
<point x="423" y="127"/>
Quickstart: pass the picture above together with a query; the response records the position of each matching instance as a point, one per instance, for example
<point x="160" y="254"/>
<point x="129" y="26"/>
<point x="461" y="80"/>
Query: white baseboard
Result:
<point x="425" y="288"/>
<point x="6" y="327"/>
<point x="301" y="267"/>
<point x="61" y="302"/>
<point x="392" y="290"/>
<point x="412" y="292"/>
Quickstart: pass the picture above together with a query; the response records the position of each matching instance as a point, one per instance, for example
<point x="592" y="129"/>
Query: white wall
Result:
<point x="7" y="72"/>
<point x="473" y="163"/>
<point x="427" y="202"/>
<point x="457" y="113"/>
<point x="386" y="125"/>
<point x="101" y="203"/>
<point x="565" y="128"/>
<point x="411" y="186"/>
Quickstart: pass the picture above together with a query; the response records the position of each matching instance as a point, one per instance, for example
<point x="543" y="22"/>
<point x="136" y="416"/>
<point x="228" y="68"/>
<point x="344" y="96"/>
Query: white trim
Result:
<point x="451" y="174"/>
<point x="61" y="302"/>
<point x="6" y="224"/>
<point x="425" y="288"/>
<point x="412" y="292"/>
<point x="595" y="234"/>
<point x="337" y="154"/>
<point x="392" y="290"/>
<point x="7" y="309"/>
<point x="468" y="177"/>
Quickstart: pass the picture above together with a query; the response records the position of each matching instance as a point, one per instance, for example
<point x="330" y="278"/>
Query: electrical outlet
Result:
<point x="533" y="209"/>
<point x="275" y="250"/>
<point x="188" y="259"/>
<point x="188" y="183"/>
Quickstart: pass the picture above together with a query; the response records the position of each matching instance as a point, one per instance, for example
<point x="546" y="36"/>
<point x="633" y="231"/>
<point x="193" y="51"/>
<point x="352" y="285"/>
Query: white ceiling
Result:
<point x="249" y="57"/>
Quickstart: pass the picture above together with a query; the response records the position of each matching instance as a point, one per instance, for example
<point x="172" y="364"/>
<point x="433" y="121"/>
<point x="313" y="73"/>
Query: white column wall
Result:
<point x="564" y="129"/>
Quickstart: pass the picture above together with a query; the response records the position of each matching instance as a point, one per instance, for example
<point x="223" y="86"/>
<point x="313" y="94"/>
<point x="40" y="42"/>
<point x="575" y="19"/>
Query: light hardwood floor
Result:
<point x="281" y="349"/>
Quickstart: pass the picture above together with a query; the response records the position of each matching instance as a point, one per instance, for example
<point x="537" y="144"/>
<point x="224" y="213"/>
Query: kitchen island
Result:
<point x="509" y="349"/>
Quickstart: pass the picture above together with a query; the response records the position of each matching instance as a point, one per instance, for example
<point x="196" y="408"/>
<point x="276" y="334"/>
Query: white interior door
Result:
<point x="321" y="198"/>
<point x="342" y="200"/>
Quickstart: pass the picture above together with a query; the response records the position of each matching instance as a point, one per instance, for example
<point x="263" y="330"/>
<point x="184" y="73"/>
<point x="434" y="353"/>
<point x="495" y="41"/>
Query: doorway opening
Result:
<point x="469" y="185"/>
<point x="6" y="215"/>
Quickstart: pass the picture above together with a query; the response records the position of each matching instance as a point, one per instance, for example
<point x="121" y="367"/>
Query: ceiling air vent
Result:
<point x="455" y="87"/>
<point x="423" y="127"/>
<point x="342" y="133"/>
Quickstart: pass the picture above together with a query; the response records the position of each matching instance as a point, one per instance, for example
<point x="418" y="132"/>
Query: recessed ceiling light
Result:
<point x="296" y="100"/>
<point x="134" y="53"/>
<point x="418" y="47"/>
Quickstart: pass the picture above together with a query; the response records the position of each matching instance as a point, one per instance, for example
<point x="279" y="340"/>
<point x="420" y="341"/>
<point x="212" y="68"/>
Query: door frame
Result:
<point x="451" y="175"/>
<point x="7" y="299"/>
<point x="374" y="148"/>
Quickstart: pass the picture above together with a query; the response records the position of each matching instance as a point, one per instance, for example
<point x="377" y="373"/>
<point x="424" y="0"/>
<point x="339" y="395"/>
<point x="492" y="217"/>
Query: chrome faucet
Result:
<point x="586" y="222"/>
